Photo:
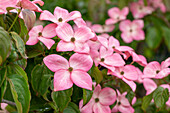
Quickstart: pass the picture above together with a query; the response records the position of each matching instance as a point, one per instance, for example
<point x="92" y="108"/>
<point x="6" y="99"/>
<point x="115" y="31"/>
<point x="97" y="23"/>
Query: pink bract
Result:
<point x="116" y="15"/>
<point x="38" y="33"/>
<point x="132" y="30"/>
<point x="100" y="101"/>
<point x="73" y="40"/>
<point x="102" y="28"/>
<point x="60" y="15"/>
<point x="122" y="104"/>
<point x="7" y="3"/>
<point x="67" y="73"/>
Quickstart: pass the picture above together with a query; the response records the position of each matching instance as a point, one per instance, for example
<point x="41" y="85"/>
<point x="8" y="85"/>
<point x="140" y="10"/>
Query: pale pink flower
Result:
<point x="73" y="40"/>
<point x="108" y="59"/>
<point x="69" y="72"/>
<point x="155" y="70"/>
<point x="140" y="59"/>
<point x="3" y="105"/>
<point x="157" y="4"/>
<point x="149" y="85"/>
<point x="7" y="3"/>
<point x="100" y="101"/>
<point x="122" y="104"/>
<point x="102" y="28"/>
<point x="127" y="75"/>
<point x="139" y="10"/>
<point x="60" y="15"/>
<point x="38" y="33"/>
<point x="116" y="15"/>
<point x="31" y="5"/>
<point x="132" y="30"/>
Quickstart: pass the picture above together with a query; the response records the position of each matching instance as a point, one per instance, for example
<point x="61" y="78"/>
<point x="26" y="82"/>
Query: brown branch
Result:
<point x="8" y="102"/>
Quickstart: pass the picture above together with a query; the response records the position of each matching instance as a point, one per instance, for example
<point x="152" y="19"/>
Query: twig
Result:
<point x="8" y="102"/>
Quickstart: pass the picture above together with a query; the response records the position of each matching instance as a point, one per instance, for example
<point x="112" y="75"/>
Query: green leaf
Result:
<point x="145" y="2"/>
<point x="160" y="96"/>
<point x="3" y="73"/>
<point x="62" y="98"/>
<point x="97" y="74"/>
<point x="153" y="37"/>
<point x="24" y="31"/>
<point x="40" y="79"/>
<point x="87" y="94"/>
<point x="146" y="101"/>
<point x="19" y="44"/>
<point x="22" y="63"/>
<point x="130" y="95"/>
<point x="71" y="108"/>
<point x="35" y="50"/>
<point x="166" y="35"/>
<point x="3" y="89"/>
<point x="16" y="69"/>
<point x="20" y="92"/>
<point x="4" y="44"/>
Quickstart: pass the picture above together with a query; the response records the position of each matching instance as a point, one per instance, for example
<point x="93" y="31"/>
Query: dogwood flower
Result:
<point x="100" y="101"/>
<point x="126" y="74"/>
<point x="132" y="30"/>
<point x="157" y="4"/>
<point x="122" y="104"/>
<point x="102" y="28"/>
<point x="156" y="70"/>
<point x="38" y="33"/>
<point x="139" y="10"/>
<point x="116" y="15"/>
<point x="73" y="40"/>
<point x="69" y="72"/>
<point x="60" y="15"/>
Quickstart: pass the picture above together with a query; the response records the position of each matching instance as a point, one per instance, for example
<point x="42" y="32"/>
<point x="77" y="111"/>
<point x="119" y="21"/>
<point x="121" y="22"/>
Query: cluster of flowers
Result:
<point x="101" y="49"/>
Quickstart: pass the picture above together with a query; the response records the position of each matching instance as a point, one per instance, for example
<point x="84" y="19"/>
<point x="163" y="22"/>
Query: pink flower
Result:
<point x="3" y="105"/>
<point x="7" y="3"/>
<point x="100" y="101"/>
<point x="31" y="5"/>
<point x="127" y="75"/>
<point x="149" y="85"/>
<point x="60" y="15"/>
<point x="108" y="59"/>
<point x="116" y="15"/>
<point x="155" y="70"/>
<point x="102" y="28"/>
<point x="73" y="40"/>
<point x="122" y="104"/>
<point x="139" y="10"/>
<point x="132" y="30"/>
<point x="157" y="4"/>
<point x="67" y="73"/>
<point x="38" y="33"/>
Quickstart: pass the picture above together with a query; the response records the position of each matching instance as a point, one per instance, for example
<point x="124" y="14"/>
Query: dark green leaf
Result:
<point x="62" y="98"/>
<point x="160" y="96"/>
<point x="40" y="79"/>
<point x="71" y="108"/>
<point x="24" y="31"/>
<point x="153" y="37"/>
<point x="97" y="74"/>
<point x="146" y="101"/>
<point x="19" y="44"/>
<point x="130" y="95"/>
<point x="166" y="35"/>
<point x="87" y="94"/>
<point x="20" y="92"/>
<point x="22" y="63"/>
<point x="4" y="44"/>
<point x="3" y="73"/>
<point x="2" y="89"/>
<point x="35" y="50"/>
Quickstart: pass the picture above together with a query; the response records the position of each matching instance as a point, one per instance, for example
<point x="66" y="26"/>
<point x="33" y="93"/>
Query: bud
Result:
<point x="29" y="18"/>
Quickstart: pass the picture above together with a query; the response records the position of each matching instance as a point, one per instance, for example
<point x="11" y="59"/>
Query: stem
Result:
<point x="14" y="20"/>
<point x="8" y="102"/>
<point x="165" y="81"/>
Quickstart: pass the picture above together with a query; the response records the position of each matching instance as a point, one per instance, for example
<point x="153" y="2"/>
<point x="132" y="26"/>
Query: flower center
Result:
<point x="60" y="19"/>
<point x="130" y="30"/>
<point x="102" y="59"/>
<point x="113" y="47"/>
<point x="119" y="103"/>
<point x="70" y="69"/>
<point x="118" y="18"/>
<point x="39" y="34"/>
<point x="73" y="39"/>
<point x="157" y="71"/>
<point x="140" y="8"/>
<point x="122" y="73"/>
<point x="96" y="100"/>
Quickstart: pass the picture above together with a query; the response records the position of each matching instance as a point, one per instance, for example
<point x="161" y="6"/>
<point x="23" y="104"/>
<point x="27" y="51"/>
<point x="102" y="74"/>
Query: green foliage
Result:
<point x="97" y="74"/>
<point x="87" y="94"/>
